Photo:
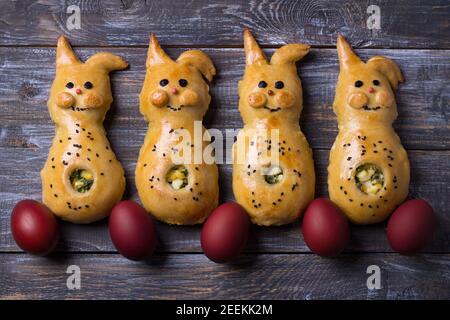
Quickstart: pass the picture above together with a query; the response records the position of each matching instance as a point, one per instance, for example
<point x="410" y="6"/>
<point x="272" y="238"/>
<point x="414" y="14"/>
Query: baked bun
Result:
<point x="368" y="173"/>
<point x="82" y="179"/>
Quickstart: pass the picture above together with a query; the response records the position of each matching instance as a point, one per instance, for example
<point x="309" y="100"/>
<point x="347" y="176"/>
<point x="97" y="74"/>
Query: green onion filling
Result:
<point x="81" y="180"/>
<point x="369" y="178"/>
<point x="273" y="175"/>
<point x="177" y="177"/>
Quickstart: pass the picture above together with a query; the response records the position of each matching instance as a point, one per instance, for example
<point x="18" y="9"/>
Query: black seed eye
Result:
<point x="279" y="85"/>
<point x="183" y="82"/>
<point x="164" y="82"/>
<point x="69" y="85"/>
<point x="376" y="82"/>
<point x="359" y="83"/>
<point x="88" y="85"/>
<point x="262" y="84"/>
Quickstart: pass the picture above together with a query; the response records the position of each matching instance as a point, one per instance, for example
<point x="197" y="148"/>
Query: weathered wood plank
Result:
<point x="193" y="276"/>
<point x="423" y="100"/>
<point x="404" y="24"/>
<point x="20" y="179"/>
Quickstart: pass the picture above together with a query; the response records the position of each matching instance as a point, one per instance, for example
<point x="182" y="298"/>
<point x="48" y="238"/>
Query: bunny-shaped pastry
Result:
<point x="173" y="184"/>
<point x="273" y="169"/>
<point x="368" y="174"/>
<point x="81" y="179"/>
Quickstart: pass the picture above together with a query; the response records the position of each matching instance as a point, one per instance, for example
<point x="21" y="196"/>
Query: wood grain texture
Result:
<point x="193" y="276"/>
<point x="404" y="23"/>
<point x="423" y="100"/>
<point x="20" y="176"/>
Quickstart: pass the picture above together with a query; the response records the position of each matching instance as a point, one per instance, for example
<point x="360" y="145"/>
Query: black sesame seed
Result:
<point x="262" y="84"/>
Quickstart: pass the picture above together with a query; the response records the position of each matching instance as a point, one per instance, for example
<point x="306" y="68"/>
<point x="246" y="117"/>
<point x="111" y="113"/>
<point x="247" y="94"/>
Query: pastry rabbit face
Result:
<point x="271" y="89"/>
<point x="176" y="88"/>
<point x="81" y="90"/>
<point x="365" y="89"/>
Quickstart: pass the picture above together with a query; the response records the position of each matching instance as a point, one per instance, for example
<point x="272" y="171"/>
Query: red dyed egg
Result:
<point x="225" y="233"/>
<point x="132" y="230"/>
<point x="325" y="229"/>
<point x="411" y="227"/>
<point x="34" y="227"/>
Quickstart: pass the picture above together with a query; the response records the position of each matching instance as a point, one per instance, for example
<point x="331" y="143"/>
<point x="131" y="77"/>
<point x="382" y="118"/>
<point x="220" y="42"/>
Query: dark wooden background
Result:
<point x="276" y="263"/>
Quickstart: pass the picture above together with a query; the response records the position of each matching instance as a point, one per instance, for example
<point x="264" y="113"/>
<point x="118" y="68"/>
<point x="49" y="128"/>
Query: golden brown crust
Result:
<point x="365" y="114"/>
<point x="266" y="111"/>
<point x="171" y="111"/>
<point x="80" y="141"/>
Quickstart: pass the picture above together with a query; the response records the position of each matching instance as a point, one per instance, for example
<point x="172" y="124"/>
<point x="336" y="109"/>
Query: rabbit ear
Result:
<point x="253" y="52"/>
<point x="199" y="60"/>
<point x="289" y="53"/>
<point x="156" y="54"/>
<point x="64" y="53"/>
<point x="107" y="61"/>
<point x="346" y="55"/>
<point x="388" y="68"/>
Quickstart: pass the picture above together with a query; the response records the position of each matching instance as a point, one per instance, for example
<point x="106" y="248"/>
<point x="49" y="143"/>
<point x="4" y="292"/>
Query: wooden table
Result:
<point x="276" y="263"/>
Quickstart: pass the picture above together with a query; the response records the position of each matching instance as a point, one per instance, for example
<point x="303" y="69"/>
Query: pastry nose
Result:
<point x="174" y="90"/>
<point x="270" y="92"/>
<point x="371" y="90"/>
<point x="78" y="91"/>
